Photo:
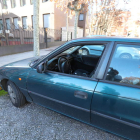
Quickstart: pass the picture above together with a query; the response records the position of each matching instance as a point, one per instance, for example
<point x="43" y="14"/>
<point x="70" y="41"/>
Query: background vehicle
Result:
<point x="127" y="53"/>
<point x="89" y="50"/>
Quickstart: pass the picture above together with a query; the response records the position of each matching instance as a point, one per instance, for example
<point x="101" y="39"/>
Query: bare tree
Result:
<point x="104" y="16"/>
<point x="75" y="7"/>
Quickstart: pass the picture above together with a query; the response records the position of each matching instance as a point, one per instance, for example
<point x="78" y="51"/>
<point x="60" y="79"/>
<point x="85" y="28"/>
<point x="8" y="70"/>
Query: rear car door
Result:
<point x="116" y="100"/>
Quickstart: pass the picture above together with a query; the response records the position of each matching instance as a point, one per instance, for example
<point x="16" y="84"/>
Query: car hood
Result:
<point x="24" y="63"/>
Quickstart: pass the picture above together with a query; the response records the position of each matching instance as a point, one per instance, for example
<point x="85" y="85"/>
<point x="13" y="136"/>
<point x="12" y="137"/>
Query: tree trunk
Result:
<point x="3" y="22"/>
<point x="76" y="23"/>
<point x="36" y="27"/>
<point x="100" y="30"/>
<point x="67" y="25"/>
<point x="97" y="30"/>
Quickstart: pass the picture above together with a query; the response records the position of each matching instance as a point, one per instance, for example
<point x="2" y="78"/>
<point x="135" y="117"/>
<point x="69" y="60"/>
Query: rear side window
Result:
<point x="125" y="65"/>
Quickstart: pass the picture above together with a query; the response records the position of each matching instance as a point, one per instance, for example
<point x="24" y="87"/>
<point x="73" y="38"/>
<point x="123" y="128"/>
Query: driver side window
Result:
<point x="77" y="60"/>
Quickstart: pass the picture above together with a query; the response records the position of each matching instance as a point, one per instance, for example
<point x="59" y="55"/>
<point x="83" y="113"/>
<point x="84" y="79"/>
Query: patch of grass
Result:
<point x="2" y="92"/>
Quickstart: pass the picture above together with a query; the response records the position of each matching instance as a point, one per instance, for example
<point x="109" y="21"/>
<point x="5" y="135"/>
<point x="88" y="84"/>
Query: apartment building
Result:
<point x="20" y="13"/>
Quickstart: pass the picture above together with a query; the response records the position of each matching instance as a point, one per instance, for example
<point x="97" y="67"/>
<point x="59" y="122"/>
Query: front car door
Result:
<point x="116" y="100"/>
<point x="64" y="93"/>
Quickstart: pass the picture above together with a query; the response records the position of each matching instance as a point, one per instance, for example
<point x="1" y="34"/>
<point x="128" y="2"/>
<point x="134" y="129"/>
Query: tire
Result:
<point x="126" y="56"/>
<point x="16" y="97"/>
<point x="85" y="52"/>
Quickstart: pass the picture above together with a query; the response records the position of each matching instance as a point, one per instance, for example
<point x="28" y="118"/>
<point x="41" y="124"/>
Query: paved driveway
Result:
<point x="33" y="122"/>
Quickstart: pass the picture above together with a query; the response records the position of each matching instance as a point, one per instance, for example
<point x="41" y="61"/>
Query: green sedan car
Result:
<point x="99" y="90"/>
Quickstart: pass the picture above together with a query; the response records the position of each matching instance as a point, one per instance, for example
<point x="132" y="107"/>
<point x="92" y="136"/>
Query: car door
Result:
<point x="64" y="93"/>
<point x="116" y="100"/>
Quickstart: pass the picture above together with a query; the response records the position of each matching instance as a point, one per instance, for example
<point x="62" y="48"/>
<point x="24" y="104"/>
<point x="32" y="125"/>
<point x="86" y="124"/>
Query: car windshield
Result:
<point x="35" y="60"/>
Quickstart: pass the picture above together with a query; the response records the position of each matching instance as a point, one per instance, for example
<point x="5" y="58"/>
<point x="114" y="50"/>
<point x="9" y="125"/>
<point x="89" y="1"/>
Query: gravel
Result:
<point x="33" y="122"/>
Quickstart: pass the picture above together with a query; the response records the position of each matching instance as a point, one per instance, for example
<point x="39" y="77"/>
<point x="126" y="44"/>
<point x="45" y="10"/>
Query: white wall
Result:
<point x="27" y="10"/>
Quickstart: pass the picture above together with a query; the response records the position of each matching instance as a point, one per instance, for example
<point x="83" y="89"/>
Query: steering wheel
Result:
<point x="60" y="63"/>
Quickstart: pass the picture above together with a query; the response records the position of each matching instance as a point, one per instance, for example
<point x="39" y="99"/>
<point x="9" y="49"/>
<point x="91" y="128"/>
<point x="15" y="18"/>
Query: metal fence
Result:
<point x="57" y="35"/>
<point x="15" y="35"/>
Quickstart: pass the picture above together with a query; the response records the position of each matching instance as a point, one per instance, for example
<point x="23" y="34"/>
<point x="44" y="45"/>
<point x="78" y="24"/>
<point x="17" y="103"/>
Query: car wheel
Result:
<point x="85" y="52"/>
<point x="16" y="97"/>
<point x="126" y="56"/>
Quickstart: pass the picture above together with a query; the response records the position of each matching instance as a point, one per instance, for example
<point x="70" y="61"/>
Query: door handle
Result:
<point x="80" y="94"/>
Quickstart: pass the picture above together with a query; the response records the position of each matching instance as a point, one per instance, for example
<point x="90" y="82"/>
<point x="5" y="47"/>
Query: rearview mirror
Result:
<point x="41" y="68"/>
<point x="80" y="51"/>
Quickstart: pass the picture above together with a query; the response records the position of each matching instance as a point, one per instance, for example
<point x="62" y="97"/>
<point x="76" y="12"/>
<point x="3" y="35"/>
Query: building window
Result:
<point x="22" y="2"/>
<point x="4" y="4"/>
<point x="1" y="24"/>
<point x="13" y="3"/>
<point x="31" y="1"/>
<point x="44" y="0"/>
<point x="46" y="18"/>
<point x="81" y="17"/>
<point x="24" y="22"/>
<point x="15" y="20"/>
<point x="8" y="23"/>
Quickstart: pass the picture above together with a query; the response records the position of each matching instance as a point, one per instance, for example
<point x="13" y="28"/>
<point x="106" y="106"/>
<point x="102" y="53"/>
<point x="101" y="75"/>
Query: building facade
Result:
<point x="20" y="14"/>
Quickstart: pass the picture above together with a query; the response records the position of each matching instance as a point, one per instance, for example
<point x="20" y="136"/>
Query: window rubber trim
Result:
<point x="104" y="61"/>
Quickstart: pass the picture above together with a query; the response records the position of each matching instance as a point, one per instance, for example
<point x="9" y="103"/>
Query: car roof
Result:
<point x="107" y="38"/>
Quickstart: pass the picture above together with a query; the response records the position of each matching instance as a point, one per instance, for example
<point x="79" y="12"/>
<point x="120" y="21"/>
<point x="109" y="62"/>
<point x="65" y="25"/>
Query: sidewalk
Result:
<point x="15" y="57"/>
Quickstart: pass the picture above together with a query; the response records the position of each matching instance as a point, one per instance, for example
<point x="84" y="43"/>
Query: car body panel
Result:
<point x="57" y="92"/>
<point x="120" y="103"/>
<point x="21" y="63"/>
<point x="16" y="70"/>
<point x="117" y="101"/>
<point x="114" y="126"/>
<point x="110" y="39"/>
<point x="110" y="107"/>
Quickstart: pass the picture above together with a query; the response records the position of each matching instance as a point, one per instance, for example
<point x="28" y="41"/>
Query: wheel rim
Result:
<point x="11" y="94"/>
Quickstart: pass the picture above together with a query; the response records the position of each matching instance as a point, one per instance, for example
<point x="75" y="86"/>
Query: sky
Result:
<point x="133" y="6"/>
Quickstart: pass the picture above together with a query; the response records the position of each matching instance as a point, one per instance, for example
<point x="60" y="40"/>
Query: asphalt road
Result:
<point x="33" y="122"/>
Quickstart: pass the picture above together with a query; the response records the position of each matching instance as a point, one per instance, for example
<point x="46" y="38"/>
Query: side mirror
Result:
<point x="41" y="68"/>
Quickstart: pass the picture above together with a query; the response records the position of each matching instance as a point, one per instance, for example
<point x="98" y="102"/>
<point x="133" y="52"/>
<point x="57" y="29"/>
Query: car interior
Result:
<point x="75" y="61"/>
